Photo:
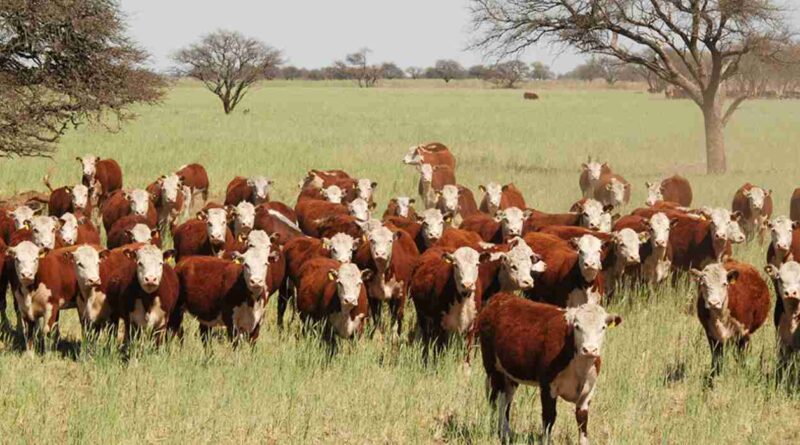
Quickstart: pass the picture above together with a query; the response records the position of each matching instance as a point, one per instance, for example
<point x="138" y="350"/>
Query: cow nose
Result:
<point x="593" y="227"/>
<point x="589" y="350"/>
<point x="469" y="285"/>
<point x="783" y="246"/>
<point x="661" y="243"/>
<point x="93" y="281"/>
<point x="790" y="294"/>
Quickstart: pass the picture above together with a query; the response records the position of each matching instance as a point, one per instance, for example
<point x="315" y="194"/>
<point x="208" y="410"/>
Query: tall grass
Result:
<point x="652" y="387"/>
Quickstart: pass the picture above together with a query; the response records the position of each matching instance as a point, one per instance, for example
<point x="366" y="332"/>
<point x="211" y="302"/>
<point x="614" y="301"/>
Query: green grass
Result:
<point x="651" y="389"/>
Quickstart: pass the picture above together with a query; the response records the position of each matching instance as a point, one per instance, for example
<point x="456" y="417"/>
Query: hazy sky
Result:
<point x="314" y="33"/>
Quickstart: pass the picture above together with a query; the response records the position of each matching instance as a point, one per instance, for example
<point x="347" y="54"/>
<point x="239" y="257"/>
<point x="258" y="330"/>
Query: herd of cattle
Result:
<point x="463" y="264"/>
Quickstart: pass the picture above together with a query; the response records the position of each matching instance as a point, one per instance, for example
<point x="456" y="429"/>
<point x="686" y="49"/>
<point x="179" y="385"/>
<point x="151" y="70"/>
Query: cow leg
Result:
<point x="254" y="334"/>
<point x="175" y="323"/>
<point x="375" y="308"/>
<point x="582" y="417"/>
<point x="29" y="334"/>
<point x="284" y="295"/>
<point x="717" y="351"/>
<point x="501" y="394"/>
<point x="548" y="411"/>
<point x="397" y="307"/>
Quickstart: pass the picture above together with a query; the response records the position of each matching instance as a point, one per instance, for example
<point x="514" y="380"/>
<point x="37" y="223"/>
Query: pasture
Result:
<point x="284" y="390"/>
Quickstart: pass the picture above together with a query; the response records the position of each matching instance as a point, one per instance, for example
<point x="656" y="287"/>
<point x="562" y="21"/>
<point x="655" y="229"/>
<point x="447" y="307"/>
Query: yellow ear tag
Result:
<point x="331" y="276"/>
<point x="240" y="238"/>
<point x="237" y="260"/>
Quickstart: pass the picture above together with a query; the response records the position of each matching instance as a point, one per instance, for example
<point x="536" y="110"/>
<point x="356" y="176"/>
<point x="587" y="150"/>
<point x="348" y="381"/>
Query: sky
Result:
<point x="314" y="33"/>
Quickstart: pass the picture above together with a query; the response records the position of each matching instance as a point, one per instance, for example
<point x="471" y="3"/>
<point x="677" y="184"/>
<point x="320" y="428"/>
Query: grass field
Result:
<point x="285" y="391"/>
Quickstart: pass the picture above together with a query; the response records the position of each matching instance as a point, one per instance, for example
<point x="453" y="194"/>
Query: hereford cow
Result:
<point x="432" y="180"/>
<point x="102" y="176"/>
<point x="794" y="206"/>
<point x="675" y="189"/>
<point x="134" y="202"/>
<point x="7" y="226"/>
<point x="785" y="243"/>
<point x="223" y="292"/>
<point x="733" y="302"/>
<point x="311" y="212"/>
<point x="66" y="199"/>
<point x="333" y="293"/>
<point x="787" y="310"/>
<point x="590" y="176"/>
<point x="208" y="234"/>
<point x="511" y="267"/>
<point x="432" y="223"/>
<point x="588" y="213"/>
<point x="195" y="185"/>
<point x="275" y="222"/>
<point x="132" y="229"/>
<point x="167" y="196"/>
<point x="244" y="219"/>
<point x="457" y="201"/>
<point x="364" y="189"/>
<point x="402" y="206"/>
<point x="254" y="190"/>
<point x="22" y="216"/>
<point x="698" y="242"/>
<point x="452" y="239"/>
<point x="534" y="343"/>
<point x="77" y="230"/>
<point x="624" y="256"/>
<point x="332" y="193"/>
<point x="755" y="205"/>
<point x="506" y="224"/>
<point x="433" y="153"/>
<point x="42" y="231"/>
<point x="613" y="190"/>
<point x="656" y="255"/>
<point x="497" y="197"/>
<point x="529" y="95"/>
<point x="319" y="179"/>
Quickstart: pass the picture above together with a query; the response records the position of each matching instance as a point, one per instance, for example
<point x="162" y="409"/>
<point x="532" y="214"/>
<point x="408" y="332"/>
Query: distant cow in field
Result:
<point x="66" y="199"/>
<point x="497" y="197"/>
<point x="102" y="176"/>
<point x="785" y="243"/>
<point x="195" y="185"/>
<point x="432" y="179"/>
<point x="134" y="202"/>
<point x="538" y="344"/>
<point x="613" y="190"/>
<point x="732" y="304"/>
<point x="755" y="205"/>
<point x="254" y="190"/>
<point x="587" y="213"/>
<point x="590" y="176"/>
<point x="529" y="95"/>
<point x="434" y="153"/>
<point x="675" y="189"/>
<point x="41" y="230"/>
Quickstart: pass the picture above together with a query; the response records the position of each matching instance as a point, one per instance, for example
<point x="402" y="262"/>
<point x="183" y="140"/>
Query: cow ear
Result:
<point x="485" y="257"/>
<point x="573" y="242"/>
<point x="274" y="238"/>
<point x="274" y="255"/>
<point x="613" y="320"/>
<point x="768" y="224"/>
<point x="608" y="187"/>
<point x="768" y="192"/>
<point x="608" y="208"/>
<point x="746" y="193"/>
<point x="615" y="217"/>
<point x="367" y="274"/>
<point x="412" y="201"/>
<point x="241" y="238"/>
<point x="372" y="206"/>
<point x="736" y="216"/>
<point x="795" y="224"/>
<point x="202" y="215"/>
<point x="482" y="188"/>
<point x="499" y="215"/>
<point x="78" y="158"/>
<point x="448" y="258"/>
<point x="169" y="255"/>
<point x="332" y="274"/>
<point x="396" y="235"/>
<point x="154" y="233"/>
<point x="696" y="274"/>
<point x="772" y="271"/>
<point x="648" y="184"/>
<point x="644" y="237"/>
<point x="238" y="258"/>
<point x="673" y="223"/>
<point x="527" y="213"/>
<point x="733" y="275"/>
<point x="130" y="253"/>
<point x="104" y="254"/>
<point x="43" y="252"/>
<point x="374" y="185"/>
<point x="326" y="243"/>
<point x="584" y="166"/>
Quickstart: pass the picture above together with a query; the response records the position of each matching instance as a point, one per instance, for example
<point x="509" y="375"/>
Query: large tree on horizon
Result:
<point x="695" y="45"/>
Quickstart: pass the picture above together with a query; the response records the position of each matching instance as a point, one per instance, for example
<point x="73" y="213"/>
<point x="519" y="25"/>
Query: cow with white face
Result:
<point x="365" y="188"/>
<point x="432" y="222"/>
<point x="139" y="201"/>
<point x="511" y="220"/>
<point x="725" y="224"/>
<point x="349" y="282"/>
<point x="259" y="239"/>
<point x="341" y="247"/>
<point x="216" y="225"/>
<point x="149" y="266"/>
<point x="616" y="191"/>
<point x="782" y="232"/>
<point x="333" y="194"/>
<point x="244" y="218"/>
<point x="404" y="205"/>
<point x="589" y="257"/>
<point x="465" y="262"/>
<point x="656" y="267"/>
<point x="517" y="267"/>
<point x="86" y="260"/>
<point x="89" y="167"/>
<point x="756" y="197"/>
<point x="22" y="216"/>
<point x="425" y="186"/>
<point x="255" y="264"/>
<point x="43" y="229"/>
<point x="413" y="156"/>
<point x="494" y="194"/>
<point x="381" y="240"/>
<point x="590" y="176"/>
<point x="461" y="314"/>
<point x="755" y="205"/>
<point x="171" y="187"/>
<point x="787" y="310"/>
<point x="594" y="215"/>
<point x="26" y="256"/>
<point x="360" y="209"/>
<point x="68" y="229"/>
<point x="261" y="188"/>
<point x="626" y="244"/>
<point x="141" y="233"/>
<point x="447" y="202"/>
<point x="80" y="197"/>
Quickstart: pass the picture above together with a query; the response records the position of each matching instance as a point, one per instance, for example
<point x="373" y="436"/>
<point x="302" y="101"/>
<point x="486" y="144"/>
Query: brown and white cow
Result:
<point x="168" y="198"/>
<point x="244" y="219"/>
<point x="457" y="201"/>
<point x="591" y="172"/>
<point x="523" y="342"/>
<point x="732" y="303"/>
<point x="275" y="222"/>
<point x="364" y="189"/>
<point x="311" y="212"/>
<point x="132" y="229"/>
<point x="22" y="216"/>
<point x="255" y="190"/>
<point x="675" y="189"/>
<point x="66" y="199"/>
<point x="511" y="267"/>
<point x="433" y="153"/>
<point x="785" y="243"/>
<point x="588" y="213"/>
<point x="77" y="230"/>
<point x="506" y="224"/>
<point x="697" y="242"/>
<point x="102" y="176"/>
<point x="208" y="234"/>
<point x="123" y="203"/>
<point x="401" y="206"/>
<point x="624" y="256"/>
<point x="657" y="255"/>
<point x="755" y="205"/>
<point x="432" y="179"/>
<point x="432" y="222"/>
<point x="195" y="185"/>
<point x="613" y="190"/>
<point x="497" y="197"/>
<point x="787" y="308"/>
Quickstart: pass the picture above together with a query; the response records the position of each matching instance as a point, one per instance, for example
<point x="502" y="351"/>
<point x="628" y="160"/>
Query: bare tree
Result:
<point x="359" y="69"/>
<point x="508" y="74"/>
<point x="709" y="38"/>
<point x="415" y="72"/>
<point x="228" y="63"/>
<point x="540" y="71"/>
<point x="390" y="70"/>
<point x="448" y="70"/>
<point x="64" y="63"/>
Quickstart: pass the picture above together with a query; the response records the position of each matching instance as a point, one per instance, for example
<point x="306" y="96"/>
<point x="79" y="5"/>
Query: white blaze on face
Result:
<point x="22" y="215"/>
<point x="341" y="247"/>
<point x="170" y="187"/>
<point x="594" y="169"/>
<point x="519" y="265"/>
<point x="244" y="218"/>
<point x="69" y="228"/>
<point x="87" y="266"/>
<point x="139" y="201"/>
<point x="255" y="264"/>
<point x="140" y="233"/>
<point x="465" y="262"/>
<point x="653" y="193"/>
<point x="216" y="223"/>
<point x="512" y="221"/>
<point x="448" y="200"/>
<point x="26" y="261"/>
<point x="259" y="239"/>
<point x="626" y="244"/>
<point x="714" y="281"/>
<point x="359" y="209"/>
<point x="412" y="157"/>
<point x="494" y="193"/>
<point x="781" y="229"/>
<point x="592" y="214"/>
<point x="381" y="241"/>
<point x="261" y="188"/>
<point x="426" y="172"/>
<point x="349" y="281"/>
<point x="589" y="322"/>
<point x="44" y="231"/>
<point x="616" y="190"/>
<point x="659" y="230"/>
<point x="788" y="278"/>
<point x="80" y="196"/>
<point x="365" y="188"/>
<point x="589" y="250"/>
<point x="89" y="166"/>
<point x="149" y="267"/>
<point x="756" y="196"/>
<point x="432" y="225"/>
<point x="333" y="194"/>
<point x="724" y="226"/>
<point x="403" y="205"/>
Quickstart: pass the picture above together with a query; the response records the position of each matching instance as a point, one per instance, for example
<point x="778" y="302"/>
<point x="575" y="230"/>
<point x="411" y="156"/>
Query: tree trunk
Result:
<point x="715" y="138"/>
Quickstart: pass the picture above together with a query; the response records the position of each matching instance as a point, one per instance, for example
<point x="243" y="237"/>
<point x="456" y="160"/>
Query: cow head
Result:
<point x="360" y="209"/>
<point x="404" y="204"/>
<point x="87" y="266"/>
<point x="756" y="197"/>
<point x="349" y="281"/>
<point x="259" y="239"/>
<point x="519" y="264"/>
<point x="80" y="196"/>
<point x="659" y="225"/>
<point x="244" y="218"/>
<point x="627" y="243"/>
<point x="333" y="194"/>
<point x="341" y="247"/>
<point x="412" y="157"/>
<point x="511" y="221"/>
<point x="432" y="222"/>
<point x="381" y="242"/>
<point x="589" y="256"/>
<point x="89" y="166"/>
<point x="588" y="324"/>
<point x="141" y="233"/>
<point x="725" y="225"/>
<point x="493" y="194"/>
<point x="616" y="190"/>
<point x="714" y="280"/>
<point x="593" y="214"/>
<point x="365" y="188"/>
<point x="149" y="266"/>
<point x="465" y="261"/>
<point x="261" y="188"/>
<point x="44" y="230"/>
<point x="255" y="264"/>
<point x="68" y="229"/>
<point x="787" y="279"/>
<point x="653" y="193"/>
<point x="594" y="169"/>
<point x="22" y="216"/>
<point x="139" y="201"/>
<point x="216" y="225"/>
<point x="26" y="261"/>
<point x="782" y="229"/>
<point x="171" y="185"/>
<point x="447" y="200"/>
